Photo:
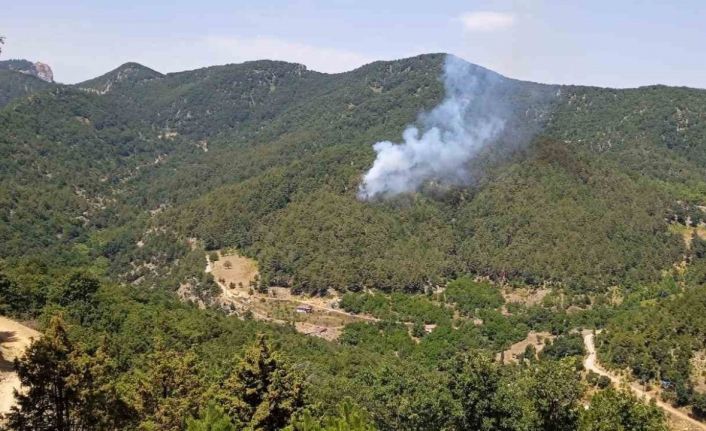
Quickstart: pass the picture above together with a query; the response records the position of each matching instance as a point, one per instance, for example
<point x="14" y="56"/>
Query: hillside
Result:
<point x="266" y="157"/>
<point x="14" y="85"/>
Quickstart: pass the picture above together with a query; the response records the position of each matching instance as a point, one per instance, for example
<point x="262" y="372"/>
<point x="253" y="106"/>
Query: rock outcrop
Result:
<point x="43" y="72"/>
<point x="40" y="70"/>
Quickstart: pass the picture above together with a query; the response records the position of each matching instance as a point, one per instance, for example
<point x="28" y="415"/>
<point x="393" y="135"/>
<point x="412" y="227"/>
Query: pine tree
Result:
<point x="264" y="391"/>
<point x="98" y="398"/>
<point x="43" y="370"/>
<point x="169" y="392"/>
<point x="211" y="419"/>
<point x="64" y="388"/>
<point x="350" y="418"/>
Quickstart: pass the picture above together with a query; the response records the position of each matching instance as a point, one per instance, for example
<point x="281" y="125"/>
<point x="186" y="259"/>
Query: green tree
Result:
<point x="557" y="391"/>
<point x="514" y="407"/>
<point x="169" y="391"/>
<point x="418" y="329"/>
<point x="65" y="388"/>
<point x="530" y="353"/>
<point x="264" y="390"/>
<point x="213" y="418"/>
<point x="475" y="379"/>
<point x="79" y="287"/>
<point x="76" y="292"/>
<point x="7" y="293"/>
<point x="698" y="400"/>
<point x="349" y="418"/>
<point x="613" y="410"/>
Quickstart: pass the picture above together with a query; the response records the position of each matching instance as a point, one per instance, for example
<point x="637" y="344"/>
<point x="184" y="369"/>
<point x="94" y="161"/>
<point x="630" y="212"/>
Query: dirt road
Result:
<point x="682" y="420"/>
<point x="15" y="338"/>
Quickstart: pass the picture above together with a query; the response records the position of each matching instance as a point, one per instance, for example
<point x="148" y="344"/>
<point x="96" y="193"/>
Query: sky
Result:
<point x="613" y="43"/>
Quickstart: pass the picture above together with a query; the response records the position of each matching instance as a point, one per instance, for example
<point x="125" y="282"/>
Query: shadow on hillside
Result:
<point x="6" y="337"/>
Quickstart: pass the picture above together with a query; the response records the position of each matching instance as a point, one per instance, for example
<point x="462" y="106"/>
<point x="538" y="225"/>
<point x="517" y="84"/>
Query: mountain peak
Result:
<point x="38" y="69"/>
<point x="130" y="72"/>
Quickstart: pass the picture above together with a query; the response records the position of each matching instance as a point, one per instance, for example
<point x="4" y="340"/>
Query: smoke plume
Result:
<point x="440" y="146"/>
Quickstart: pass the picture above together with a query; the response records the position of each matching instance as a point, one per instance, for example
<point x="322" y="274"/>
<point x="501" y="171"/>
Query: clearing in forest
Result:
<point x="312" y="315"/>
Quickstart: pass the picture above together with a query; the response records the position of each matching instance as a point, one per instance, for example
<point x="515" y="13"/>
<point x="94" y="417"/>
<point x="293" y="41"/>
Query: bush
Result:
<point x="564" y="346"/>
<point x="470" y="296"/>
<point x="698" y="402"/>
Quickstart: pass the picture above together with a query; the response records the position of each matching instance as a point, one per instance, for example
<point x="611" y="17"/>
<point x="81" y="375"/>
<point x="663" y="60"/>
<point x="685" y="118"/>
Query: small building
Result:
<point x="308" y="309"/>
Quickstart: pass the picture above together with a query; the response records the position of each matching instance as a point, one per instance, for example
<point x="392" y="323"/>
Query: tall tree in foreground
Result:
<point x="264" y="391"/>
<point x="64" y="389"/>
<point x="476" y="378"/>
<point x="170" y="391"/>
<point x="557" y="392"/>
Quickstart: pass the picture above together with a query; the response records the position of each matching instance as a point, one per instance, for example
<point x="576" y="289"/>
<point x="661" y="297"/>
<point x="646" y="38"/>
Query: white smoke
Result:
<point x="447" y="138"/>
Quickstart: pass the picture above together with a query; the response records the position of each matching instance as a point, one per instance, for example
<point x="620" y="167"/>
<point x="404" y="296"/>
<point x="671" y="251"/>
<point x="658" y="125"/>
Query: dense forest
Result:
<point x="112" y="192"/>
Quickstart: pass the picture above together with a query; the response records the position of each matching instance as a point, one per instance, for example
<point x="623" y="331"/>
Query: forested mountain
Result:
<point x="133" y="176"/>
<point x="267" y="156"/>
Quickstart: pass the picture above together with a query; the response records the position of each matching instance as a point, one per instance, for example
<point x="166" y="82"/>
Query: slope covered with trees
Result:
<point x="267" y="157"/>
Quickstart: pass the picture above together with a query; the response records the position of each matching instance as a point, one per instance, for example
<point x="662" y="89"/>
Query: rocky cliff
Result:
<point x="40" y="70"/>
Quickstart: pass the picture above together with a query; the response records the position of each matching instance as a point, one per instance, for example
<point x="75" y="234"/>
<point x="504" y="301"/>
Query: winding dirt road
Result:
<point x="591" y="363"/>
<point x="15" y="338"/>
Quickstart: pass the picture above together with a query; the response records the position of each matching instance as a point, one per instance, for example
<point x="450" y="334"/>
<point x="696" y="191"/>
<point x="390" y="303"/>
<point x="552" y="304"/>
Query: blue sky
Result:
<point x="618" y="43"/>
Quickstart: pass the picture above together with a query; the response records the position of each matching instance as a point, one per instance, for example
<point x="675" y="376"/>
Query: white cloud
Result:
<point x="487" y="21"/>
<point x="322" y="59"/>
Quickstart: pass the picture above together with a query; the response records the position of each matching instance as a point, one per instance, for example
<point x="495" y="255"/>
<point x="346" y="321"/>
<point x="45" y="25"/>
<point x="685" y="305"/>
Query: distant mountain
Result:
<point x="126" y="74"/>
<point x="40" y="70"/>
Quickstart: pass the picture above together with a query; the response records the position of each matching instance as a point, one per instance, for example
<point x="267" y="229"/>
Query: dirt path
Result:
<point x="679" y="418"/>
<point x="15" y="338"/>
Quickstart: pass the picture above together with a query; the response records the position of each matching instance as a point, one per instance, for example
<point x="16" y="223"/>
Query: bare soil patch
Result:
<point x="536" y="339"/>
<point x="698" y="365"/>
<point x="525" y="296"/>
<point x="234" y="268"/>
<point x="14" y="339"/>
